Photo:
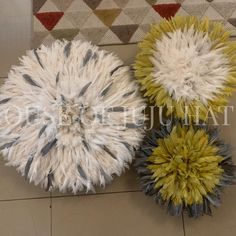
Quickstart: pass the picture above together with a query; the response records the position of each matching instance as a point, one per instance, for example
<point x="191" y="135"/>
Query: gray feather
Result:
<point x="81" y="172"/>
<point x="127" y="146"/>
<point x="28" y="165"/>
<point x="106" y="149"/>
<point x="87" y="57"/>
<point x="37" y="57"/>
<point x="116" y="109"/>
<point x="57" y="77"/>
<point x="105" y="91"/>
<point x="30" y="81"/>
<point x="32" y="117"/>
<point x="63" y="98"/>
<point x="115" y="69"/>
<point x="128" y="94"/>
<point x="106" y="176"/>
<point x="42" y="130"/>
<point x="50" y="179"/>
<point x="132" y="126"/>
<point x="67" y="49"/>
<point x="48" y="147"/>
<point x="8" y="145"/>
<point x="86" y="145"/>
<point x="95" y="56"/>
<point x="5" y="100"/>
<point x="84" y="89"/>
<point x="23" y="124"/>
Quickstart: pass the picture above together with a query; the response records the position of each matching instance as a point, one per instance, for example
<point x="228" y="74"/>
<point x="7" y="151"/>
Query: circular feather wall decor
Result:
<point x="187" y="65"/>
<point x="71" y="116"/>
<point x="185" y="168"/>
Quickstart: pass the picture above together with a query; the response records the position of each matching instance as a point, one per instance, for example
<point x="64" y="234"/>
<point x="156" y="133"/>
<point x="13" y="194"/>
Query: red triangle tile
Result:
<point x="49" y="19"/>
<point x="167" y="10"/>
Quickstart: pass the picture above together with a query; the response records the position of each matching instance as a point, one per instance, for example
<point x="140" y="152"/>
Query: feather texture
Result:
<point x="76" y="134"/>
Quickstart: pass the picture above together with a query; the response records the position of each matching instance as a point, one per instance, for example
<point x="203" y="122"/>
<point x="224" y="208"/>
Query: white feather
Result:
<point x="74" y="126"/>
<point x="187" y="67"/>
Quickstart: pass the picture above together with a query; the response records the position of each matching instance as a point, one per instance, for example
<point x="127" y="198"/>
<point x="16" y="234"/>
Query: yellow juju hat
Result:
<point x="185" y="167"/>
<point x="187" y="64"/>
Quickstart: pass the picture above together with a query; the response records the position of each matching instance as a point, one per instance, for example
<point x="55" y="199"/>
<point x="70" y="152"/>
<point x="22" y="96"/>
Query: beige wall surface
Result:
<point x="121" y="208"/>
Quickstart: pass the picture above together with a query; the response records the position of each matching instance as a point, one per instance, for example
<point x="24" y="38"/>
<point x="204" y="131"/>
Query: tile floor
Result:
<point x="120" y="209"/>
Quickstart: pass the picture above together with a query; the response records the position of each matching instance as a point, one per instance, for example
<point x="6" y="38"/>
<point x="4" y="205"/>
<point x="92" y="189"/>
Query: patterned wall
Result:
<point x="106" y="22"/>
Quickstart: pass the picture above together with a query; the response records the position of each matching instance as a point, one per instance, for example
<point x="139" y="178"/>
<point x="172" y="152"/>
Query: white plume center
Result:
<point x="187" y="66"/>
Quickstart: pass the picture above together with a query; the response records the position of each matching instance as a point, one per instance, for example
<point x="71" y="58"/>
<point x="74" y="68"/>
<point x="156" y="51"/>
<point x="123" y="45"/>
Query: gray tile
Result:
<point x="15" y="32"/>
<point x="112" y="214"/>
<point x="126" y="53"/>
<point x="25" y="218"/>
<point x="221" y="223"/>
<point x="14" y="186"/>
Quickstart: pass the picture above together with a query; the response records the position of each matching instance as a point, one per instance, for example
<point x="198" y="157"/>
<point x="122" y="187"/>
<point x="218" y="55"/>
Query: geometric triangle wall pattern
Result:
<point x="108" y="22"/>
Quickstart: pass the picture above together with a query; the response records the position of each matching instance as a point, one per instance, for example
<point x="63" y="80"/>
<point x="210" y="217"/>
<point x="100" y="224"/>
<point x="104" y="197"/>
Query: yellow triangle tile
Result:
<point x="107" y="16"/>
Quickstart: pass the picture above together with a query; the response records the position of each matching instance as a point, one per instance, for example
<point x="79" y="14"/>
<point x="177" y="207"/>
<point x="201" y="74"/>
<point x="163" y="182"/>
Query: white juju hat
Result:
<point x="70" y="116"/>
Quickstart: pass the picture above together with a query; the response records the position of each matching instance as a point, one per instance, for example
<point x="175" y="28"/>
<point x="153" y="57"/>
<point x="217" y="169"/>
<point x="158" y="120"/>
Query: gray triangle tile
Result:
<point x="38" y="38"/>
<point x="136" y="14"/>
<point x="121" y="3"/>
<point x="92" y="3"/>
<point x="78" y="18"/>
<point x="151" y="2"/>
<point x="124" y="32"/>
<point x="37" y="4"/>
<point x="62" y="5"/>
<point x="195" y="9"/>
<point x="67" y="34"/>
<point x="180" y="1"/>
<point x="94" y="34"/>
<point x="232" y="21"/>
<point x="145" y="27"/>
<point x="226" y="9"/>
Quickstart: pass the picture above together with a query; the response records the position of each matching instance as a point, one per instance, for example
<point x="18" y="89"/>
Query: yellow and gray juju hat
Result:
<point x="187" y="64"/>
<point x="185" y="167"/>
<point x="71" y="116"/>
